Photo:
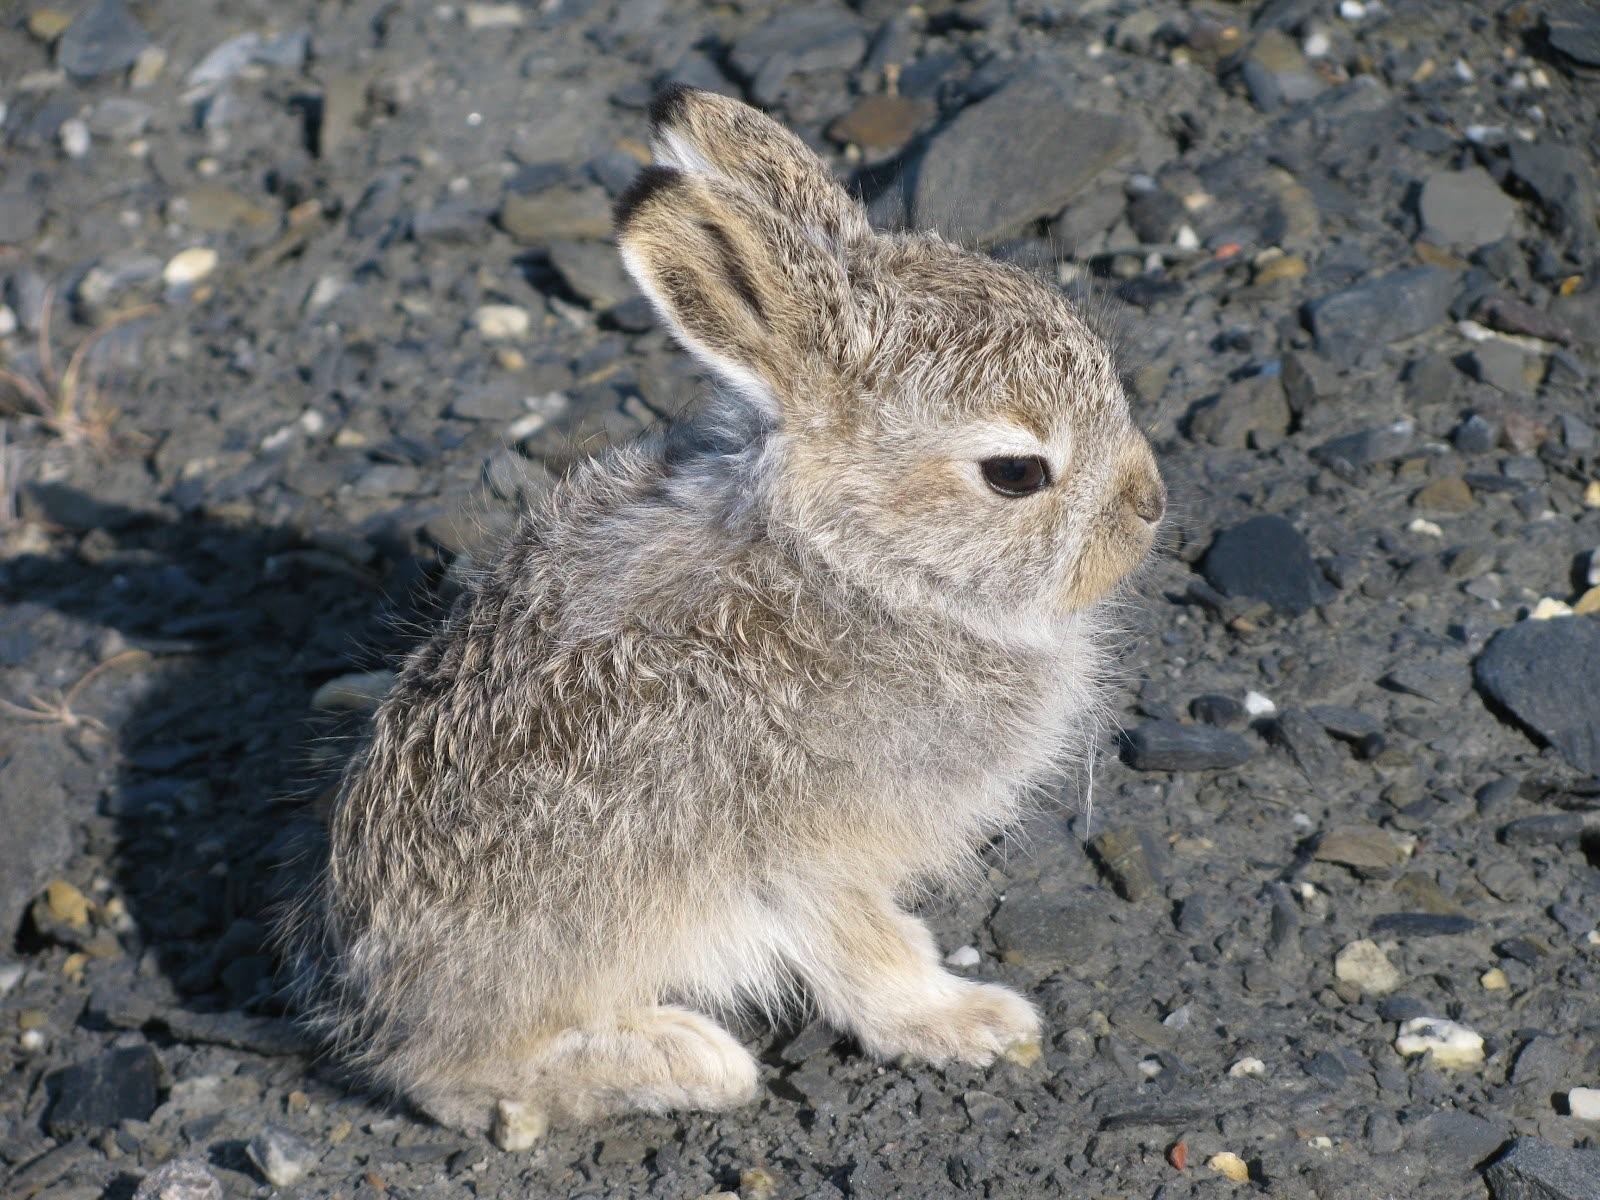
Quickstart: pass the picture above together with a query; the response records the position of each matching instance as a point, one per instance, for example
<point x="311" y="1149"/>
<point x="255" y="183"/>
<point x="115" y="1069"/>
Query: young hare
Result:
<point x="734" y="692"/>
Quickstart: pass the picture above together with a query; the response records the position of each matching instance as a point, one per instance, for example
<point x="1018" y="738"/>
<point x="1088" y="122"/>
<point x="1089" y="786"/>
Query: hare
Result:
<point x="719" y="707"/>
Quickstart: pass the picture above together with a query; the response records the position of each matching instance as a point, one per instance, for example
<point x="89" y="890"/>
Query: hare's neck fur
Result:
<point x="920" y="710"/>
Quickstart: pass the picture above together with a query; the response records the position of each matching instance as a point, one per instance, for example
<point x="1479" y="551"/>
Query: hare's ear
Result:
<point x="702" y="133"/>
<point x="747" y="292"/>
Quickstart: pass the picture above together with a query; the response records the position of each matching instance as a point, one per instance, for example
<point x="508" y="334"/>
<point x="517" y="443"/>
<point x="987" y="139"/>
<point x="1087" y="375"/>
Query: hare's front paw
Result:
<point x="972" y="1023"/>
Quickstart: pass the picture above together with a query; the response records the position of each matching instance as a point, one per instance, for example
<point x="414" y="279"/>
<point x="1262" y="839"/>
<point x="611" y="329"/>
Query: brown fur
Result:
<point x="732" y="694"/>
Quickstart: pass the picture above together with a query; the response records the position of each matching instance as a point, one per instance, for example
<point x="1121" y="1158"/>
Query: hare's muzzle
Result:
<point x="1141" y="491"/>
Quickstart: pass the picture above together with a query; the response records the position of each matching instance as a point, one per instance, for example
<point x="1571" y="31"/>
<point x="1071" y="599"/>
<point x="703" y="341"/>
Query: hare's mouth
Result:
<point x="1105" y="564"/>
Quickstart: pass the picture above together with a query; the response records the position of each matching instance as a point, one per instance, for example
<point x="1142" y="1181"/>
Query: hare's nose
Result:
<point x="1142" y="492"/>
<point x="1149" y="500"/>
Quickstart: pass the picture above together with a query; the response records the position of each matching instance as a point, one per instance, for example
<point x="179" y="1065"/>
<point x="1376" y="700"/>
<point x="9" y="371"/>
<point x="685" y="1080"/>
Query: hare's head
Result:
<point x="938" y="425"/>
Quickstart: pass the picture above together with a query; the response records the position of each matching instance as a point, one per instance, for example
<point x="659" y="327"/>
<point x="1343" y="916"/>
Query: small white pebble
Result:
<point x="1317" y="44"/>
<point x="1179" y="1017"/>
<point x="1352" y="10"/>
<point x="1549" y="607"/>
<point x="1449" y="1044"/>
<point x="323" y="293"/>
<point x="963" y="956"/>
<point x="1186" y="238"/>
<point x="74" y="134"/>
<point x="1486" y="135"/>
<point x="1322" y="1142"/>
<point x="10" y="976"/>
<point x="1149" y="1067"/>
<point x="1302" y="820"/>
<point x="1593" y="575"/>
<point x="1539" y="79"/>
<point x="1463" y="70"/>
<point x="1228" y="1163"/>
<point x="1425" y="527"/>
<point x="188" y="267"/>
<point x="1259" y="705"/>
<point x="31" y="1040"/>
<point x="278" y="438"/>
<point x="501" y="321"/>
<point x="1494" y="980"/>
<point x="313" y="422"/>
<point x="8" y="321"/>
<point x="1518" y="81"/>
<point x="1247" y="1068"/>
<point x="494" y="16"/>
<point x="1584" y="1103"/>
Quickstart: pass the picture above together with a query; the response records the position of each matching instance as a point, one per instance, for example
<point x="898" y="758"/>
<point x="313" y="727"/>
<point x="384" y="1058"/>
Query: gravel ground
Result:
<point x="299" y="298"/>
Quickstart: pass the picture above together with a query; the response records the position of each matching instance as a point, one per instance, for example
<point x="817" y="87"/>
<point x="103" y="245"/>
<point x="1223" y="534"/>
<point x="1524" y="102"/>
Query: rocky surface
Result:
<point x="297" y="300"/>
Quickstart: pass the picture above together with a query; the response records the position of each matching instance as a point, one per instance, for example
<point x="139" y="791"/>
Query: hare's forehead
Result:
<point x="1039" y="374"/>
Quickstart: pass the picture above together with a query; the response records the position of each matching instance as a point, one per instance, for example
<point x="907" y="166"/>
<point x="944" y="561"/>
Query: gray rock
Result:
<point x="456" y="221"/>
<point x="1319" y="758"/>
<point x="593" y="270"/>
<point x="1265" y="558"/>
<point x="1543" y="673"/>
<point x="1275" y="72"/>
<point x="798" y="40"/>
<point x="286" y="51"/>
<point x="1562" y="180"/>
<point x="21" y="215"/>
<point x="502" y="400"/>
<point x="1442" y="682"/>
<point x="1129" y="860"/>
<point x="1541" y="1064"/>
<point x="120" y="118"/>
<point x="1383" y="1133"/>
<point x="1475" y="435"/>
<point x="1535" y="1170"/>
<point x="1574" y="30"/>
<point x="551" y="214"/>
<point x="119" y="1085"/>
<point x="1421" y="924"/>
<point x="1503" y="366"/>
<point x="1550" y="829"/>
<point x="1251" y="411"/>
<point x="104" y="39"/>
<point x="1214" y="709"/>
<point x="1399" y="305"/>
<point x="1464" y="208"/>
<point x="1045" y="923"/>
<point x="180" y="1179"/>
<point x="36" y="815"/>
<point x="1461" y="1139"/>
<point x="1016" y="156"/>
<point x="1171" y="746"/>
<point x="282" y="1158"/>
<point x="1352" y="453"/>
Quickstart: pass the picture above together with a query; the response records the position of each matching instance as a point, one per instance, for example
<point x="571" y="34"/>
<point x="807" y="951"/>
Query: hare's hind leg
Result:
<point x="874" y="970"/>
<point x="654" y="1059"/>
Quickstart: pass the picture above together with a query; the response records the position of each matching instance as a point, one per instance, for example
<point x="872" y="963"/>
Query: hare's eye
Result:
<point x="1016" y="476"/>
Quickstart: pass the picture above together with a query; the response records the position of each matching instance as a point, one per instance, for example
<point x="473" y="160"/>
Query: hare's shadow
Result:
<point x="233" y="626"/>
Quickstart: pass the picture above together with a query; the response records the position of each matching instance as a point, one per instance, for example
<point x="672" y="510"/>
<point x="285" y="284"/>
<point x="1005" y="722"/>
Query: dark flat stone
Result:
<point x="1170" y="746"/>
<point x="1543" y="673"/>
<point x="1265" y="558"/>
<point x="1418" y="924"/>
<point x="119" y="1085"/>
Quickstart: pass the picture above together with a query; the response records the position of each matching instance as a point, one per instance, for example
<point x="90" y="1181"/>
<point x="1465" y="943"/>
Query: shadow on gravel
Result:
<point x="222" y="634"/>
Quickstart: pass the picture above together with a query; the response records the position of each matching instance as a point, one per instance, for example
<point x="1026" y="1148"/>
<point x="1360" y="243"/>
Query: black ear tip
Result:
<point x="647" y="183"/>
<point x="668" y="104"/>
